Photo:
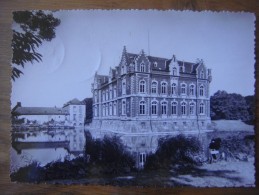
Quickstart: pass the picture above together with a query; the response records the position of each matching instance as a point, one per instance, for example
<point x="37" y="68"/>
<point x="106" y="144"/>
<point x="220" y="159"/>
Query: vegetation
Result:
<point x="33" y="172"/>
<point x="172" y="151"/>
<point x="239" y="146"/>
<point x="108" y="154"/>
<point x="34" y="28"/>
<point x="102" y="157"/>
<point x="89" y="110"/>
<point x="232" y="107"/>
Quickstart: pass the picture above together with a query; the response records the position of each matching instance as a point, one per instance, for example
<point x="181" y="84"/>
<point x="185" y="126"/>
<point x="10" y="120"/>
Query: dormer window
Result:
<point x="155" y="64"/>
<point x="142" y="67"/>
<point x="202" y="74"/>
<point x="174" y="71"/>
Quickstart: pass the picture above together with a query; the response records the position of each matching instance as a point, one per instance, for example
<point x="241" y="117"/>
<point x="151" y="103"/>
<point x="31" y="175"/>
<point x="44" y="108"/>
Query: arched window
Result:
<point x="174" y="88"/>
<point x="163" y="87"/>
<point x="107" y="94"/>
<point x="191" y="89"/>
<point x="95" y="111"/>
<point x="110" y="93"/>
<point x="142" y="86"/>
<point x="114" y="92"/>
<point x="123" y="107"/>
<point x="201" y="90"/>
<point x="183" y="88"/>
<point x="192" y="108"/>
<point x="122" y="70"/>
<point x="183" y="108"/>
<point x="202" y="108"/>
<point x="107" y="110"/>
<point x="202" y="74"/>
<point x="164" y="108"/>
<point x="95" y="96"/>
<point x="142" y="107"/>
<point x="123" y="87"/>
<point x="154" y="107"/>
<point x="110" y="109"/>
<point x="142" y="67"/>
<point x="154" y="87"/>
<point x="174" y="71"/>
<point x="103" y="95"/>
<point x="174" y="108"/>
<point x="114" y="109"/>
<point x="103" y="109"/>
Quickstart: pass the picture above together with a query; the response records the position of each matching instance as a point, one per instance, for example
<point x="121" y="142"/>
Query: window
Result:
<point x="183" y="88"/>
<point x="142" y="67"/>
<point x="107" y="94"/>
<point x="95" y="96"/>
<point x="164" y="107"/>
<point x="163" y="88"/>
<point x="154" y="87"/>
<point x="114" y="92"/>
<point x="114" y="109"/>
<point x="174" y="71"/>
<point x="103" y="95"/>
<point x="174" y="108"/>
<point x="122" y="70"/>
<point x="154" y="107"/>
<point x="142" y="107"/>
<point x="201" y="90"/>
<point x="74" y="117"/>
<point x="123" y="87"/>
<point x="142" y="85"/>
<point x="202" y="108"/>
<point x="123" y="107"/>
<point x="95" y="111"/>
<point x="110" y="93"/>
<point x="110" y="109"/>
<point x="183" y="108"/>
<point x="107" y="110"/>
<point x="192" y="108"/>
<point x="174" y="89"/>
<point x="142" y="160"/>
<point x="202" y="74"/>
<point x="103" y="110"/>
<point x="191" y="89"/>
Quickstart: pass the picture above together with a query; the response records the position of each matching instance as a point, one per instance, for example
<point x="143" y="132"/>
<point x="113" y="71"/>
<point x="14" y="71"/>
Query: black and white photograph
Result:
<point x="133" y="98"/>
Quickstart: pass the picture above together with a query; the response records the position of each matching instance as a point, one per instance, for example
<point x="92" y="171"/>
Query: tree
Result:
<point x="231" y="106"/>
<point x="34" y="28"/>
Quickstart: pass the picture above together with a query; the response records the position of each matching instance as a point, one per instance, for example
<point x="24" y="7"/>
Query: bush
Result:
<point x="109" y="154"/>
<point x="30" y="173"/>
<point x="238" y="147"/>
<point x="175" y="150"/>
<point x="33" y="172"/>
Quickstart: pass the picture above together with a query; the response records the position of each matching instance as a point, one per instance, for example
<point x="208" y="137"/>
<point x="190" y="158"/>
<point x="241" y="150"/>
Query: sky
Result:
<point x="93" y="40"/>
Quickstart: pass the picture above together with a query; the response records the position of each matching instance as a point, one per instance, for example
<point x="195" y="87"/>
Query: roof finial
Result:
<point x="124" y="49"/>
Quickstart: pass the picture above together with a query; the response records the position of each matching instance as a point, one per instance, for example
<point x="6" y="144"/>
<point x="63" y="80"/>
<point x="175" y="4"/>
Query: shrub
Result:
<point x="109" y="154"/>
<point x="175" y="150"/>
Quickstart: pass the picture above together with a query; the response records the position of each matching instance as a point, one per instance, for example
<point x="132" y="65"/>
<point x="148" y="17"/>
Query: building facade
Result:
<point x="72" y="114"/>
<point x="146" y="93"/>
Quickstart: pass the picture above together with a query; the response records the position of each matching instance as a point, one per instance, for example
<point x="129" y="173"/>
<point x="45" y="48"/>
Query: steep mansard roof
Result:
<point x="162" y="64"/>
<point x="157" y="64"/>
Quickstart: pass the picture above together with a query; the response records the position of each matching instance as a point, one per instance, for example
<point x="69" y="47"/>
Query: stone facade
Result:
<point x="145" y="93"/>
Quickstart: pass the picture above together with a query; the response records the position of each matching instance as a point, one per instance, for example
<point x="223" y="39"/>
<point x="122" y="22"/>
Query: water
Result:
<point x="45" y="146"/>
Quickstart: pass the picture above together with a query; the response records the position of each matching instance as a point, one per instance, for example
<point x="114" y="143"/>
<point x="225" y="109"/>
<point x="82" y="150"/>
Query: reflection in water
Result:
<point x="46" y="146"/>
<point x="141" y="145"/>
<point x="60" y="144"/>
